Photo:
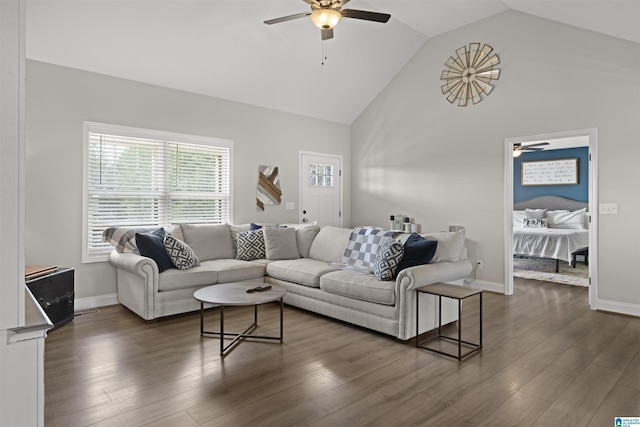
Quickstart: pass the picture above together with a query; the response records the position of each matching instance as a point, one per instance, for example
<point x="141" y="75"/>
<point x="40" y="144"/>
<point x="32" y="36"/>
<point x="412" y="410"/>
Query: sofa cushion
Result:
<point x="151" y="245"/>
<point x="304" y="271"/>
<point x="175" y="279"/>
<point x="233" y="270"/>
<point x="388" y="259"/>
<point x="329" y="244"/>
<point x="209" y="241"/>
<point x="364" y="287"/>
<point x="304" y="238"/>
<point x="181" y="255"/>
<point x="250" y="245"/>
<point x="280" y="243"/>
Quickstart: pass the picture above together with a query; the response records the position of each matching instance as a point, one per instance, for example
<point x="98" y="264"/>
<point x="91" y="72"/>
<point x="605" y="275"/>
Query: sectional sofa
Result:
<point x="306" y="260"/>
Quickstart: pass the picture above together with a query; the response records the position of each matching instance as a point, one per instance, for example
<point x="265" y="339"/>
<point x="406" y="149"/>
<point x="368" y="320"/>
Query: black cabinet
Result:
<point x="55" y="293"/>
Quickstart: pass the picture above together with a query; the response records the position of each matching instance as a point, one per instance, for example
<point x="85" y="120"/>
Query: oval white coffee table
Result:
<point x="235" y="294"/>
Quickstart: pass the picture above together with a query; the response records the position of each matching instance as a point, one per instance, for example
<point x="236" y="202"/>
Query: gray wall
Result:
<point x="414" y="153"/>
<point x="58" y="101"/>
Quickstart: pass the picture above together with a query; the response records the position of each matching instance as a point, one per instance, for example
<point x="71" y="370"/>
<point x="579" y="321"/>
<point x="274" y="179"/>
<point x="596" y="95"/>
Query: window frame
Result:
<point x="132" y="132"/>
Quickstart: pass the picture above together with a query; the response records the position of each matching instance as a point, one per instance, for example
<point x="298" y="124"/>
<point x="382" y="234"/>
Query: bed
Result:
<point x="561" y="233"/>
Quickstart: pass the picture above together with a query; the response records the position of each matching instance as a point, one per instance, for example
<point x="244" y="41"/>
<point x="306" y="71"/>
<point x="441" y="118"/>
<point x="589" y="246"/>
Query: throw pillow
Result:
<point x="388" y="259"/>
<point x="181" y="255"/>
<point x="566" y="219"/>
<point x="417" y="251"/>
<point x="151" y="245"/>
<point x="280" y="243"/>
<point x="535" y="213"/>
<point x="363" y="246"/>
<point x="251" y="245"/>
<point x="450" y="245"/>
<point x="534" y="223"/>
<point x="123" y="238"/>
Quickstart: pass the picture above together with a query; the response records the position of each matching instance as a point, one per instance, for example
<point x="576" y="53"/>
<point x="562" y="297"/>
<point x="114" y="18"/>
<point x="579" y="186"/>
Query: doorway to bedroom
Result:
<point x="550" y="197"/>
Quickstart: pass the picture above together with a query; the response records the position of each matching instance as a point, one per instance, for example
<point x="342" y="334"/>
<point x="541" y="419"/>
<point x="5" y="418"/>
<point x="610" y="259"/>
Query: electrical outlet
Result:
<point x="479" y="264"/>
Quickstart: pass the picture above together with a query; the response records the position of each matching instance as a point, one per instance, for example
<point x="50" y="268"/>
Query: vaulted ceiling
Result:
<point x="222" y="48"/>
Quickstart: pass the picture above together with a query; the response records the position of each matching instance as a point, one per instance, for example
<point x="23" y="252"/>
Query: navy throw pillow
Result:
<point x="152" y="245"/>
<point x="417" y="251"/>
<point x="255" y="227"/>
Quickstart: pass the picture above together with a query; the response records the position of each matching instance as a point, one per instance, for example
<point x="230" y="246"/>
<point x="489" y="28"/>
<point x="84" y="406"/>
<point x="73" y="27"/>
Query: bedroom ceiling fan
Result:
<point x="325" y="14"/>
<point x="519" y="148"/>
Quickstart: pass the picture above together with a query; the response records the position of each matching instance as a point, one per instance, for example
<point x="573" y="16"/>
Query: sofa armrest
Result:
<point x="410" y="279"/>
<point x="137" y="282"/>
<point x="421" y="275"/>
<point x="134" y="263"/>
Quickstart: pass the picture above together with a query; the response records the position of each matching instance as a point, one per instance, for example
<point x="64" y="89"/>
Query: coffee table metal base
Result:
<point x="226" y="349"/>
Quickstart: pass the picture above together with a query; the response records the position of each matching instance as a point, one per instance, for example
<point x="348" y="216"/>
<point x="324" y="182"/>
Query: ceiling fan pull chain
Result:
<point x="324" y="51"/>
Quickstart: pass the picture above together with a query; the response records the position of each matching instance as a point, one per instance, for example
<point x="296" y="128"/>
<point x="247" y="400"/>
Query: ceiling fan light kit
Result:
<point x="325" y="19"/>
<point x="325" y="14"/>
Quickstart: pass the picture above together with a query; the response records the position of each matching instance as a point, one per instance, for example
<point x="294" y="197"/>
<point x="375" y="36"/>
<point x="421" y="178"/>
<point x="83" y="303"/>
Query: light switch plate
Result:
<point x="608" y="208"/>
<point x="291" y="206"/>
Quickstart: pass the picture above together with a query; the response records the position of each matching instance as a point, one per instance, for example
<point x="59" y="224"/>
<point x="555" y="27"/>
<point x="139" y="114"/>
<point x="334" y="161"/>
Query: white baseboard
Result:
<point x="618" y="307"/>
<point x="488" y="286"/>
<point x="83" y="304"/>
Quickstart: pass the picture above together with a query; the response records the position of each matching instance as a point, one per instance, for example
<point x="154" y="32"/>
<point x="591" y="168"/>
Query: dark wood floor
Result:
<point x="548" y="360"/>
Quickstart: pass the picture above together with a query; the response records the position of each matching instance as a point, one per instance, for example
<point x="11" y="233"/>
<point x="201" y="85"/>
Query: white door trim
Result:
<point x="592" y="134"/>
<point x="338" y="157"/>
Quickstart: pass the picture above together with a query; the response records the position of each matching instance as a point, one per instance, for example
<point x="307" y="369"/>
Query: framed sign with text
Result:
<point x="550" y="172"/>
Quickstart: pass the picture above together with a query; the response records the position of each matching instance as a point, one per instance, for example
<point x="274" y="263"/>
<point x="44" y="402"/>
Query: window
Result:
<point x="144" y="178"/>
<point x="320" y="175"/>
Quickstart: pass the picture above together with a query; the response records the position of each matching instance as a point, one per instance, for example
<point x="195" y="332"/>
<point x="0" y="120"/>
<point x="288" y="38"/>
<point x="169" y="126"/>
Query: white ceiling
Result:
<point x="221" y="48"/>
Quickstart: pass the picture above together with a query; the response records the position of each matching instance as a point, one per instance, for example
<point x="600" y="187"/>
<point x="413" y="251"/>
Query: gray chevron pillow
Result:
<point x="181" y="255"/>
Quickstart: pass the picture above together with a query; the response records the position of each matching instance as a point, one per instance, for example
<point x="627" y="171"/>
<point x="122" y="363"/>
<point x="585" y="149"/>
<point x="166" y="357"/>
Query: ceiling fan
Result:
<point x="325" y="14"/>
<point x="519" y="148"/>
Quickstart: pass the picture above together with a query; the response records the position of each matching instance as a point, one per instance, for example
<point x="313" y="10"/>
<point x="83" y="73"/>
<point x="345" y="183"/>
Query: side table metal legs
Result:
<point x="473" y="347"/>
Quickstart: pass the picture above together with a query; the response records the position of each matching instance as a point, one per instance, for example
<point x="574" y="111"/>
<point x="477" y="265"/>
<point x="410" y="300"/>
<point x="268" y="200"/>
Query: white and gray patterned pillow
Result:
<point x="363" y="246"/>
<point x="124" y="238"/>
<point x="534" y="223"/>
<point x="251" y="245"/>
<point x="388" y="259"/>
<point x="181" y="255"/>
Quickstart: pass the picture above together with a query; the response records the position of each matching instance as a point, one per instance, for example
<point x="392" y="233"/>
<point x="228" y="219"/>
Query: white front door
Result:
<point x="320" y="189"/>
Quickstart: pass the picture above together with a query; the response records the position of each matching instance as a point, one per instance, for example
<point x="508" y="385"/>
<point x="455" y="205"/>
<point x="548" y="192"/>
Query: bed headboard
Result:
<point x="551" y="203"/>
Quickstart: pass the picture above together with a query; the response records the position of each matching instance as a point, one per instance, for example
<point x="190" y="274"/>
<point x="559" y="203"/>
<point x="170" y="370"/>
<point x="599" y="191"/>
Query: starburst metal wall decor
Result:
<point x="470" y="74"/>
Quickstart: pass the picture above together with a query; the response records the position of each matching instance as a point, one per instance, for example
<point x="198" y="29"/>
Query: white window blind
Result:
<point x="141" y="178"/>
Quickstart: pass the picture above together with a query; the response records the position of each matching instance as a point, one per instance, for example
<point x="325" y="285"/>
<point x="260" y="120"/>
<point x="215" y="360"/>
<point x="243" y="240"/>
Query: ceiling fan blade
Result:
<point x="366" y="15"/>
<point x="535" y="145"/>
<point x="326" y="33"/>
<point x="287" y="18"/>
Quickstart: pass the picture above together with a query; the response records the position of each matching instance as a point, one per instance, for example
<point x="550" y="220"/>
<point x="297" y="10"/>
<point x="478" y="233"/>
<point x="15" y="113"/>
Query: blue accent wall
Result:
<point x="576" y="192"/>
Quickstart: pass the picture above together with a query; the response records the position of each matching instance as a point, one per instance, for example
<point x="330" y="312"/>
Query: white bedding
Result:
<point x="555" y="243"/>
